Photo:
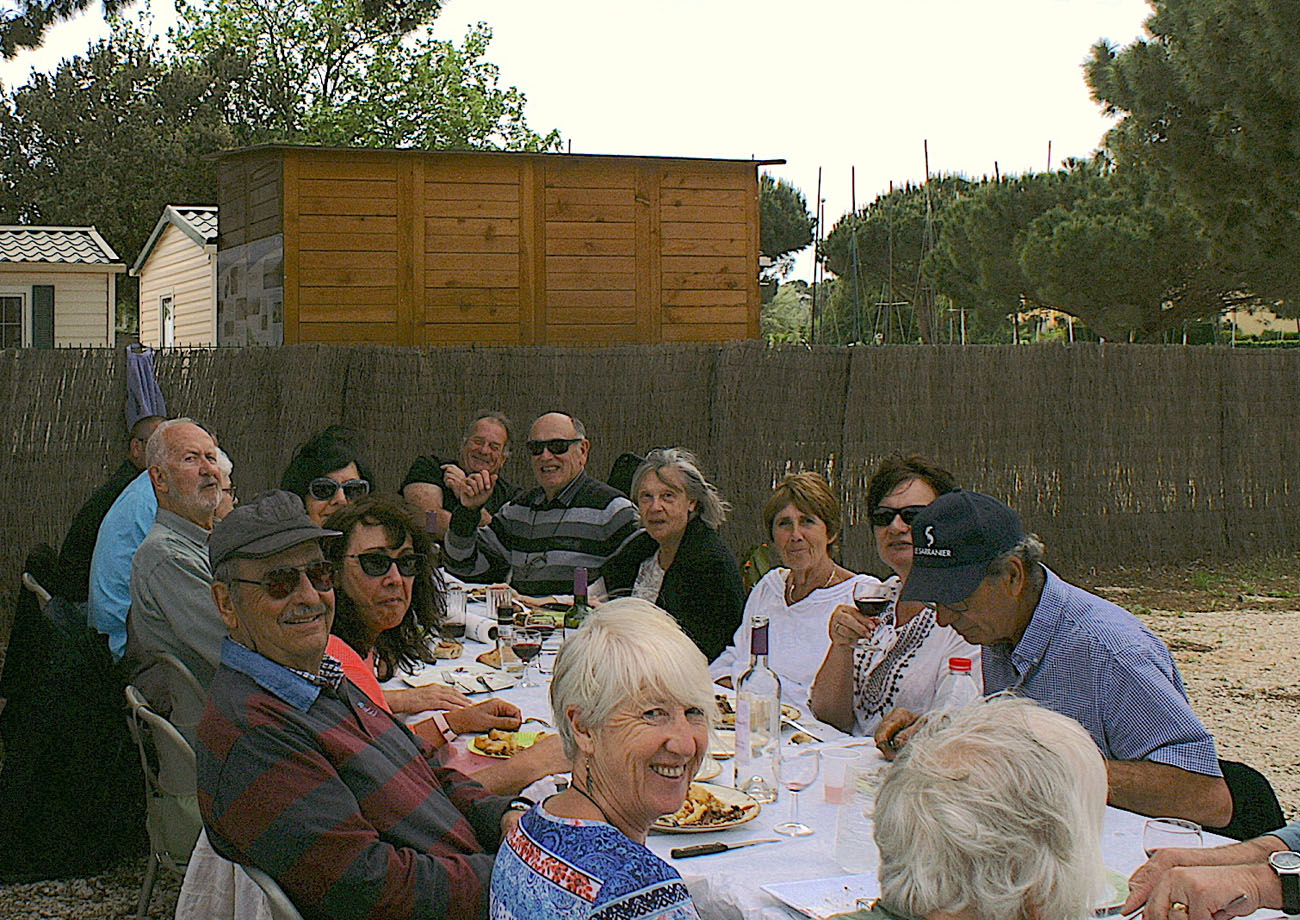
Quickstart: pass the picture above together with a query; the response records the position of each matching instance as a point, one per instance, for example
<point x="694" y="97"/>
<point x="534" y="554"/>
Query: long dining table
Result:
<point x="730" y="885"/>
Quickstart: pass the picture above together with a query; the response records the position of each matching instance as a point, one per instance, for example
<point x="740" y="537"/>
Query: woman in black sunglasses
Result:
<point x="327" y="472"/>
<point x="855" y="688"/>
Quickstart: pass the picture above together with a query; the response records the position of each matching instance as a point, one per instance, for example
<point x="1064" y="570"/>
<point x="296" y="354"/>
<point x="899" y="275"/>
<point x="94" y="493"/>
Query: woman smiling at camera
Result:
<point x="632" y="698"/>
<point x="679" y="562"/>
<point x="856" y="688"/>
<point x="327" y="473"/>
<point x="803" y="519"/>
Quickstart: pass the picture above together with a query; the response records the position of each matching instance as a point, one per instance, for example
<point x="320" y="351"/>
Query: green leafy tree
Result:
<point x="327" y="71"/>
<point x="24" y="24"/>
<point x="1209" y="102"/>
<point x="785" y="317"/>
<point x="785" y="226"/>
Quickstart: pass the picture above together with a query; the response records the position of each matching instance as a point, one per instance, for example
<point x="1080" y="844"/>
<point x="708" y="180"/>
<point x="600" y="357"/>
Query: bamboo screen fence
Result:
<point x="1112" y="453"/>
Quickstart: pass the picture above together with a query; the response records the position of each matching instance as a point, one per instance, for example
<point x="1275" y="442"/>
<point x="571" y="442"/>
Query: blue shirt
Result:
<point x="121" y="532"/>
<point x="1093" y="661"/>
<point x="1290" y="835"/>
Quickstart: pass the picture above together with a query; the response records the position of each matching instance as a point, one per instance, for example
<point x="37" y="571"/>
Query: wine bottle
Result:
<point x="758" y="719"/>
<point x="579" y="609"/>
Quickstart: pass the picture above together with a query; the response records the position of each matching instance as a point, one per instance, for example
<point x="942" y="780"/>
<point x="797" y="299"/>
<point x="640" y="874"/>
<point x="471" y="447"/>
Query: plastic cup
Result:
<point x="835" y="768"/>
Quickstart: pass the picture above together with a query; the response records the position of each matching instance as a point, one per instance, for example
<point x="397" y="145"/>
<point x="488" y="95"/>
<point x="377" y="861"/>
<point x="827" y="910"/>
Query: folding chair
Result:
<point x="186" y="697"/>
<point x="281" y="907"/>
<point x="171" y="801"/>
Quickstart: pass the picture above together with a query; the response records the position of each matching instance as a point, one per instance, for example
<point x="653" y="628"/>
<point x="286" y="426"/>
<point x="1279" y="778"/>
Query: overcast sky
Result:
<point x="820" y="83"/>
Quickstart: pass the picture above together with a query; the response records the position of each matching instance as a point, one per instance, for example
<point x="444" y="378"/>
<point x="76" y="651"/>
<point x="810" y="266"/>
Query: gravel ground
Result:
<point x="1234" y="632"/>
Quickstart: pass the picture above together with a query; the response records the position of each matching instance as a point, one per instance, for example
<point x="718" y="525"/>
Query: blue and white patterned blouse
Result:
<point x="552" y="867"/>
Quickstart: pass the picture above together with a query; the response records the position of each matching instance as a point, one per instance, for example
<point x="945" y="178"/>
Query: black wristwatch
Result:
<point x="1287" y="866"/>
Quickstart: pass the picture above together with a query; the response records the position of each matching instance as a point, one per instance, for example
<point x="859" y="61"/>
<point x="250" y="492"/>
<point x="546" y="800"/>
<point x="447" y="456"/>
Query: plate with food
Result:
<point x="727" y="710"/>
<point x="709" y="808"/>
<point x="448" y="648"/>
<point x="504" y="745"/>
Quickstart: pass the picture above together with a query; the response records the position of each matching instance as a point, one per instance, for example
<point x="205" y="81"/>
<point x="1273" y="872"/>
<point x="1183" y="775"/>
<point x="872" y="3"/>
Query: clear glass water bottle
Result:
<point x="758" y="720"/>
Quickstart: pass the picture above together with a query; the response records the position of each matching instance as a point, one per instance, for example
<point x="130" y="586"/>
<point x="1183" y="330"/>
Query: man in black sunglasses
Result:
<point x="537" y="539"/>
<point x="299" y="773"/>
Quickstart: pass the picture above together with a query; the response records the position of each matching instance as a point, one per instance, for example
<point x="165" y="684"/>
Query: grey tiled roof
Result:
<point x="201" y="218"/>
<point x="197" y="221"/>
<point x="67" y="245"/>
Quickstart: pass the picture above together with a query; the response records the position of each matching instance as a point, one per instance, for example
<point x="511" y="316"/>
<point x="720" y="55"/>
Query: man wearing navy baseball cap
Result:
<point x="1068" y="650"/>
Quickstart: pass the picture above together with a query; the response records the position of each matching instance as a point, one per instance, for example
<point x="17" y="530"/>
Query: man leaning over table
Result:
<point x="537" y="539"/>
<point x="299" y="773"/>
<point x="1228" y="881"/>
<point x="1066" y="649"/>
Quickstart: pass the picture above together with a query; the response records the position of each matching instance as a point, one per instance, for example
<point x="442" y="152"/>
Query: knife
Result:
<point x="708" y="849"/>
<point x="799" y="728"/>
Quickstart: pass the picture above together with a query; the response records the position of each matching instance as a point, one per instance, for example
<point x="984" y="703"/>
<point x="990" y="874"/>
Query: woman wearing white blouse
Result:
<point x="803" y="519"/>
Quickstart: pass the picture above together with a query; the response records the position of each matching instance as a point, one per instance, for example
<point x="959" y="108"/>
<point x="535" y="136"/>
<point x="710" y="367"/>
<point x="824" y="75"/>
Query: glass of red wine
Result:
<point x="872" y="599"/>
<point x="527" y="644"/>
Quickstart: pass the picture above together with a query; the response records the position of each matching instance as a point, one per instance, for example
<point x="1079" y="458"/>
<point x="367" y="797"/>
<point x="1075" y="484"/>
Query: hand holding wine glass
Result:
<point x="797" y="771"/>
<point x="871" y="598"/>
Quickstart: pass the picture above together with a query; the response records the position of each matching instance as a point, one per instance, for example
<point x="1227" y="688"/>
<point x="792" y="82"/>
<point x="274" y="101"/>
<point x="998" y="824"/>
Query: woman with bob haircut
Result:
<point x="633" y="704"/>
<point x="679" y="562"/>
<point x="802" y="517"/>
<point x="994" y="812"/>
<point x="856" y="688"/>
<point x="327" y="472"/>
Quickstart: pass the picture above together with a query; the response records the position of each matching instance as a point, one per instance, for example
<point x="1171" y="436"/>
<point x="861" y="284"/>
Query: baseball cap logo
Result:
<point x="929" y="535"/>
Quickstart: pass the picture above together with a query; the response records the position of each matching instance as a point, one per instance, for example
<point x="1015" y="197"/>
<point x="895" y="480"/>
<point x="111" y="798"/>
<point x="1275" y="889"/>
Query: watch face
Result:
<point x="1285" y="861"/>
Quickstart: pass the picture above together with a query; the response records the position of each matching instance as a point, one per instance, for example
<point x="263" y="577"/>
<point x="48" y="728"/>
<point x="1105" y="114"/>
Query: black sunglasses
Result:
<point x="378" y="564"/>
<point x="557" y="446"/>
<point x="883" y="517"/>
<point x="323" y="488"/>
<point x="280" y="583"/>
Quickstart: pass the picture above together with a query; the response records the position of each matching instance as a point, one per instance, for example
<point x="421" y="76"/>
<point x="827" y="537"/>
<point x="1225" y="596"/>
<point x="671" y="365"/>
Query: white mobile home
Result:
<point x="177" y="269"/>
<point x="58" y="287"/>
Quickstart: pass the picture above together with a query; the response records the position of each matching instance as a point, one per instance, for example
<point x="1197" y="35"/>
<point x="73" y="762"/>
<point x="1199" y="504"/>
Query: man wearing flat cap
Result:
<point x="1066" y="649"/>
<point x="299" y="773"/>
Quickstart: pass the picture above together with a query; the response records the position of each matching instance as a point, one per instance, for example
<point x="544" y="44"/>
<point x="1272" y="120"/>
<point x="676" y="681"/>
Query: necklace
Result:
<point x="789" y="586"/>
<point x="587" y="795"/>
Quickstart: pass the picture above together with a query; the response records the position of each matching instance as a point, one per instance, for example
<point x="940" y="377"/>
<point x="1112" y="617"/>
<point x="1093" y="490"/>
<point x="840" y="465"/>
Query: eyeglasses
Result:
<point x="883" y="516"/>
<point x="378" y="564"/>
<point x="280" y="583"/>
<point x="323" y="489"/>
<point x="557" y="446"/>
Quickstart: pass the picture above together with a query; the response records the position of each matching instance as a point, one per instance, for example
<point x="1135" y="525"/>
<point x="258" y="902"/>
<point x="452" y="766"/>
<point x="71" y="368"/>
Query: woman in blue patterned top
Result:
<point x="632" y="700"/>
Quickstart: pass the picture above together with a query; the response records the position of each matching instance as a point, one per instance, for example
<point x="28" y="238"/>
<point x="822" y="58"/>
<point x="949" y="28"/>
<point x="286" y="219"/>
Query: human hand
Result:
<point x="474" y="489"/>
<point x="509" y="820"/>
<point x="436" y="696"/>
<point x="1165" y="859"/>
<point x="485" y="715"/>
<point x="846" y="626"/>
<point x="1212" y="892"/>
<point x="894" y="730"/>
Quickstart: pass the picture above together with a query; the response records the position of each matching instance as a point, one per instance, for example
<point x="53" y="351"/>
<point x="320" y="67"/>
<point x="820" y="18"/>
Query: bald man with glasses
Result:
<point x="537" y="539"/>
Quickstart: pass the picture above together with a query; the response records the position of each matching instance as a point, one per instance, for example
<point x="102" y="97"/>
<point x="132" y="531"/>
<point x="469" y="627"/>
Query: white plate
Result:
<point x="728" y="719"/>
<point x="708" y="770"/>
<point x="824" y="898"/>
<point x="728" y="796"/>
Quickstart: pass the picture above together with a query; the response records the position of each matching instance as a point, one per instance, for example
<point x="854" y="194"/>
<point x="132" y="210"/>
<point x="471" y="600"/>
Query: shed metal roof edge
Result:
<point x="171" y="215"/>
<point x="256" y="148"/>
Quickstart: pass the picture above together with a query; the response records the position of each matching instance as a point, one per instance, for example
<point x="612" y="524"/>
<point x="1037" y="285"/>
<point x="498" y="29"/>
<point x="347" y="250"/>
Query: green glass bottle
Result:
<point x="579" y="609"/>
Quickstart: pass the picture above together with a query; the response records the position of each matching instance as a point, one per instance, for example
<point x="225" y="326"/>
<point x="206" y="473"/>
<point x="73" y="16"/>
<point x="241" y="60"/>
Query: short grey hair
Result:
<point x="995" y="808"/>
<point x="156" y="450"/>
<point x="492" y="416"/>
<point x="1030" y="551"/>
<point x="629" y="650"/>
<point x="709" y="506"/>
<point x="224" y="464"/>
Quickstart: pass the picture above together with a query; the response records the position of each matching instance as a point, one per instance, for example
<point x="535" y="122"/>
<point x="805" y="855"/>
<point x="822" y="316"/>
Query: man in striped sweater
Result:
<point x="537" y="539"/>
<point x="299" y="773"/>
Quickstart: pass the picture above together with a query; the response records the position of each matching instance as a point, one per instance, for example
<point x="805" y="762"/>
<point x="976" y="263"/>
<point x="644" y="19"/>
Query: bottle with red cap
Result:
<point x="959" y="688"/>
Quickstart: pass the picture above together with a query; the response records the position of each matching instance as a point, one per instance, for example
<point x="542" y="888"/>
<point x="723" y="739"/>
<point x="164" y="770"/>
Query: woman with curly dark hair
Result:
<point x="388" y="602"/>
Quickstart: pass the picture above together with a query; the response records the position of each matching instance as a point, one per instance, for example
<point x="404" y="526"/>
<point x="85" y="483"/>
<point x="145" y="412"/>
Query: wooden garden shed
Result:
<point x="415" y="247"/>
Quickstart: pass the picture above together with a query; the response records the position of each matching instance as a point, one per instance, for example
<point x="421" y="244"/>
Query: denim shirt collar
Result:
<point x="274" y="678"/>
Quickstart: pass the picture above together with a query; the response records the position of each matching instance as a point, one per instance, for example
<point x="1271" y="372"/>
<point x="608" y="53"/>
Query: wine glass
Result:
<point x="527" y="644"/>
<point x="872" y="600"/>
<point x="797" y="772"/>
<point x="1159" y="833"/>
<point x="551" y="627"/>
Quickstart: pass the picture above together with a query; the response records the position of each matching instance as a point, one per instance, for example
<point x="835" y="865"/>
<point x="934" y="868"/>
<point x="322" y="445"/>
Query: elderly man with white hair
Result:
<point x="994" y="812"/>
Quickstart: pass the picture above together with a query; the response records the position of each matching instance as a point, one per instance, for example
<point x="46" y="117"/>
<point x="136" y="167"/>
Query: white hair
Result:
<point x="709" y="506"/>
<point x="224" y="465"/>
<point x="627" y="651"/>
<point x="996" y="809"/>
<point x="156" y="449"/>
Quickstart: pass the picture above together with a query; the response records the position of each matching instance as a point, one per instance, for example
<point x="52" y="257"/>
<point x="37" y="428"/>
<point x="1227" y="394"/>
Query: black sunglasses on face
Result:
<point x="280" y="583"/>
<point x="557" y="446"/>
<point x="378" y="564"/>
<point x="883" y="517"/>
<point x="323" y="488"/>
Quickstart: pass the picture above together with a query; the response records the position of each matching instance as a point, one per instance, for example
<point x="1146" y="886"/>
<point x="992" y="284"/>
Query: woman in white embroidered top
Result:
<point x="856" y="688"/>
<point x="803" y="519"/>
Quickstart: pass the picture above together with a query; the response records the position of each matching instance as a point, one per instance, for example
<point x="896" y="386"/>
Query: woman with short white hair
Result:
<point x="994" y="812"/>
<point x="632" y="701"/>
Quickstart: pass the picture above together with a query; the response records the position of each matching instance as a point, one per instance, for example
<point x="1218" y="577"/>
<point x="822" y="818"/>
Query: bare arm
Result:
<point x="428" y="498"/>
<point x="1144" y="882"/>
<point x="418" y="699"/>
<point x="831" y="695"/>
<point x="510" y="777"/>
<point x="1152" y="788"/>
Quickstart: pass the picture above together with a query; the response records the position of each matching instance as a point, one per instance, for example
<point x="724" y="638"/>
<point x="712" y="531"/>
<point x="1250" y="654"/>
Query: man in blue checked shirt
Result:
<point x="1066" y="649"/>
